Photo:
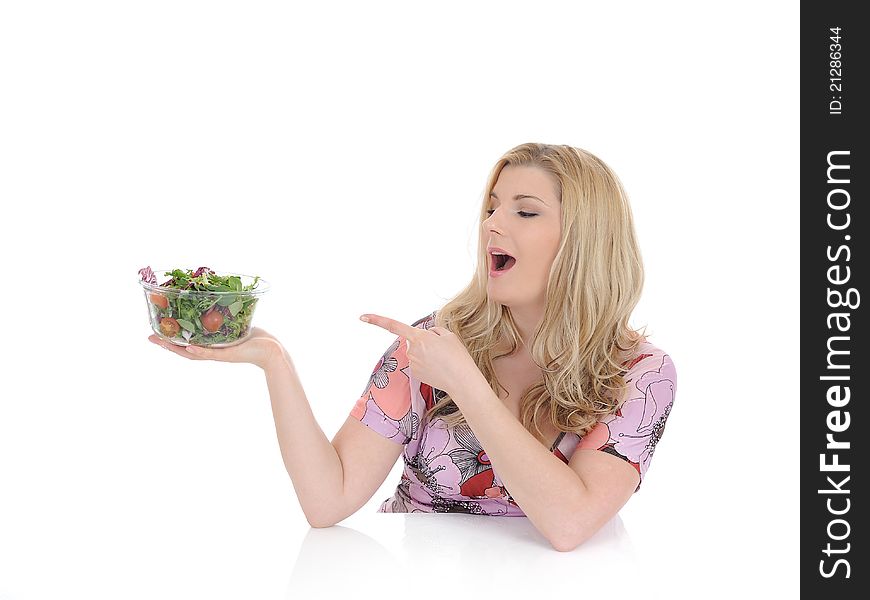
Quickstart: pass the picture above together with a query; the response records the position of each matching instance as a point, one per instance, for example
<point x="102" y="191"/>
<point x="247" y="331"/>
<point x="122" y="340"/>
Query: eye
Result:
<point x="521" y="213"/>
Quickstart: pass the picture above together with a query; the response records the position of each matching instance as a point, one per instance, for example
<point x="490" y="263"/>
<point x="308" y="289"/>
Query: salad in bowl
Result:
<point x="201" y="307"/>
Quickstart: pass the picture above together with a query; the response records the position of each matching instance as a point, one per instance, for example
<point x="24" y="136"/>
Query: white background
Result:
<point x="339" y="150"/>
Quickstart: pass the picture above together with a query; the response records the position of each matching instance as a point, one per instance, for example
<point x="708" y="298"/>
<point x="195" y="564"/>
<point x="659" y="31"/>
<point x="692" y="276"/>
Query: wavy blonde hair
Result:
<point x="594" y="284"/>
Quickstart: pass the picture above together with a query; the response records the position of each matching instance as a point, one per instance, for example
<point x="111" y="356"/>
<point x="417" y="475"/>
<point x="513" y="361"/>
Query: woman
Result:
<point x="527" y="394"/>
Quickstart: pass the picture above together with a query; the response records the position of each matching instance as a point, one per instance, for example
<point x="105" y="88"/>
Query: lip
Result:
<point x="494" y="273"/>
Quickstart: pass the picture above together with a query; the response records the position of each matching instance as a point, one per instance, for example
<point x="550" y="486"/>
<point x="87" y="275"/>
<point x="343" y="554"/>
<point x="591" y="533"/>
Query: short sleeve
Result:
<point x="385" y="406"/>
<point x="633" y="432"/>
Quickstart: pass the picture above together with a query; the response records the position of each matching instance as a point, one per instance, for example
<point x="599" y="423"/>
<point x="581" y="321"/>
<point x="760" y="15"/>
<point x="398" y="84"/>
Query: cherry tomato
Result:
<point x="159" y="300"/>
<point x="212" y="321"/>
<point x="169" y="326"/>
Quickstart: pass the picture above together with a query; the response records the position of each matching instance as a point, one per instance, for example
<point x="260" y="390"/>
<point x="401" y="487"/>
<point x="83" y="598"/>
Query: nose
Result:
<point x="490" y="223"/>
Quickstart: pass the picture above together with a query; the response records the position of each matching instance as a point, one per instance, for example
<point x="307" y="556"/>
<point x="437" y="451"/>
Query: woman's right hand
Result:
<point x="259" y="349"/>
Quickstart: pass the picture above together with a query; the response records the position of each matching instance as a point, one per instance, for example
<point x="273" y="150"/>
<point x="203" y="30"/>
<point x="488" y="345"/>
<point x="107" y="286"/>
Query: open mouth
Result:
<point x="502" y="262"/>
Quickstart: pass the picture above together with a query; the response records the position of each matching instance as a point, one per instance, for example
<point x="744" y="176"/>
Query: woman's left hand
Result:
<point x="437" y="356"/>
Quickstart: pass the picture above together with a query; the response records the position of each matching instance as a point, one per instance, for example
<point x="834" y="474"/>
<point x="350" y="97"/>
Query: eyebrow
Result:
<point x="520" y="197"/>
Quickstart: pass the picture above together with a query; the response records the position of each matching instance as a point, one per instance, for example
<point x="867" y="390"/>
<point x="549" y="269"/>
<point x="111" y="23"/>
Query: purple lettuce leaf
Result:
<point x="147" y="275"/>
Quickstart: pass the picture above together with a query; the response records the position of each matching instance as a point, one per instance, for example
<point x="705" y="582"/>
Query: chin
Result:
<point x="499" y="299"/>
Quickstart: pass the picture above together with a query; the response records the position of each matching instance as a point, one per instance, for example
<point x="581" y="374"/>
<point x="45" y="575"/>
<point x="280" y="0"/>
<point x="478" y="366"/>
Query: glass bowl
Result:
<point x="215" y="319"/>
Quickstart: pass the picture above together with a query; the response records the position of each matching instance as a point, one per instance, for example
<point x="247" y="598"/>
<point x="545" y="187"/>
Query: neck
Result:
<point x="527" y="321"/>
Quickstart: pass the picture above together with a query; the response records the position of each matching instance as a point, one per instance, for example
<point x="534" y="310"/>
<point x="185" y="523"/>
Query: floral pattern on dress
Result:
<point x="383" y="405"/>
<point x="432" y="468"/>
<point x="633" y="432"/>
<point x="381" y="375"/>
<point x="447" y="470"/>
<point x="474" y="464"/>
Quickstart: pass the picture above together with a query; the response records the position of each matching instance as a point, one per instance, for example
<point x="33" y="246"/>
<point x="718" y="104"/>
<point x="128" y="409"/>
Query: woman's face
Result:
<point x="525" y="221"/>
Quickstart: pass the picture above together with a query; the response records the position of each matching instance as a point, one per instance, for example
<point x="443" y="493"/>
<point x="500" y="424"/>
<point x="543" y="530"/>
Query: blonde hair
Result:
<point x="594" y="284"/>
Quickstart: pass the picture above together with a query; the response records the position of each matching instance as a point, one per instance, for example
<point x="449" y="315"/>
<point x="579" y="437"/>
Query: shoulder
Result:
<point x="651" y="381"/>
<point x="426" y="322"/>
<point x="649" y="362"/>
<point x="633" y="431"/>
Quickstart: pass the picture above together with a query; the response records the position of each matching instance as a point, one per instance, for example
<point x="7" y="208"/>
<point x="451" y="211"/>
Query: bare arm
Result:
<point x="566" y="503"/>
<point x="310" y="459"/>
<point x="332" y="480"/>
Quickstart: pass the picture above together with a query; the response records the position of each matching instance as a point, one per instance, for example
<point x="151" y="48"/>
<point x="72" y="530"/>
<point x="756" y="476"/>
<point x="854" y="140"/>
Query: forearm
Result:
<point x="309" y="457"/>
<point x="547" y="490"/>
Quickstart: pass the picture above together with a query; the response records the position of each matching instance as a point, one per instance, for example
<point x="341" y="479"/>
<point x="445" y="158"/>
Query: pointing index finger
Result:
<point x="393" y="326"/>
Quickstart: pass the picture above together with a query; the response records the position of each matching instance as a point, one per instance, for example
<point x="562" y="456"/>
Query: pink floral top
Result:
<point x="447" y="470"/>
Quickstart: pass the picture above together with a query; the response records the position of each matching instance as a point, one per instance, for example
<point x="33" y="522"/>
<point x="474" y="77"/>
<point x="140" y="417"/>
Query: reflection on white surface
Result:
<point x="436" y="554"/>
